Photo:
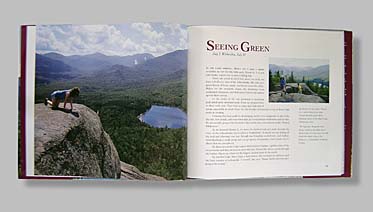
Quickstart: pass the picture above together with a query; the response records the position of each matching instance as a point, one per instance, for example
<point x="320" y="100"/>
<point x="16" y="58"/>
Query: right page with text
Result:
<point x="265" y="102"/>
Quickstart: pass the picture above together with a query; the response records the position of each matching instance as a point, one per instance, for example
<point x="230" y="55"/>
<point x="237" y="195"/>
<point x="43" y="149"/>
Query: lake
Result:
<point x="163" y="116"/>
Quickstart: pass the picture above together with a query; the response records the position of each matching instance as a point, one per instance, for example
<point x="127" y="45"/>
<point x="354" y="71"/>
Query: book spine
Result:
<point x="22" y="104"/>
<point x="348" y="104"/>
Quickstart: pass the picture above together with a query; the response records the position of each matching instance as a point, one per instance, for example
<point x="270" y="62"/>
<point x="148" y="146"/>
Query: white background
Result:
<point x="234" y="195"/>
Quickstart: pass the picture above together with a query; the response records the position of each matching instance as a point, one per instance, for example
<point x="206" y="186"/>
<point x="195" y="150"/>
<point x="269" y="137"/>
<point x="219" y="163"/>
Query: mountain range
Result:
<point x="310" y="73"/>
<point x="102" y="70"/>
<point x="98" y="61"/>
<point x="47" y="69"/>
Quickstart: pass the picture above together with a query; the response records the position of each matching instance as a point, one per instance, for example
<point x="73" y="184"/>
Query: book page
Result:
<point x="103" y="101"/>
<point x="265" y="102"/>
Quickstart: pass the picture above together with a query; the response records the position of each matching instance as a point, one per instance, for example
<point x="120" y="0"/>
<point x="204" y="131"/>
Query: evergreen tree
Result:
<point x="271" y="84"/>
<point x="291" y="78"/>
<point x="278" y="74"/>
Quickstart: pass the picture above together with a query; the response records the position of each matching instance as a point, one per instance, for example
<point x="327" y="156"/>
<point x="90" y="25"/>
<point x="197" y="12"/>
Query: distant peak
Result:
<point x="96" y="54"/>
<point x="147" y="55"/>
<point x="52" y="54"/>
<point x="176" y="52"/>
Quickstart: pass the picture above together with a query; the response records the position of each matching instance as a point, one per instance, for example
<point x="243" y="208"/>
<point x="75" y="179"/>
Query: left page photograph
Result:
<point x="103" y="101"/>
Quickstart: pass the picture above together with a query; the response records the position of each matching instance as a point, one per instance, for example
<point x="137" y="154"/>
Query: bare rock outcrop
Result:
<point x="129" y="172"/>
<point x="294" y="97"/>
<point x="73" y="144"/>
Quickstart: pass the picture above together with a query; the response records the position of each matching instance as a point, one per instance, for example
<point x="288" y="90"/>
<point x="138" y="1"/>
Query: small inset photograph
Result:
<point x="295" y="80"/>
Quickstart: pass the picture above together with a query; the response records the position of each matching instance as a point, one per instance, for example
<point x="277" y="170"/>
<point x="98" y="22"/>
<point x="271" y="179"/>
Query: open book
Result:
<point x="160" y="101"/>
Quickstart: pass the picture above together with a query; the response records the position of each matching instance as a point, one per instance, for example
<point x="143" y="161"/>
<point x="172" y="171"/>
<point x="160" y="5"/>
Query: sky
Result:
<point x="116" y="39"/>
<point x="298" y="62"/>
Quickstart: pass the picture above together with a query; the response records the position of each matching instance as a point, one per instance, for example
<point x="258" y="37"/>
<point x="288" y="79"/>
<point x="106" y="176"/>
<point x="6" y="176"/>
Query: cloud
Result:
<point x="179" y="31"/>
<point x="147" y="30"/>
<point x="122" y="39"/>
<point x="83" y="40"/>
